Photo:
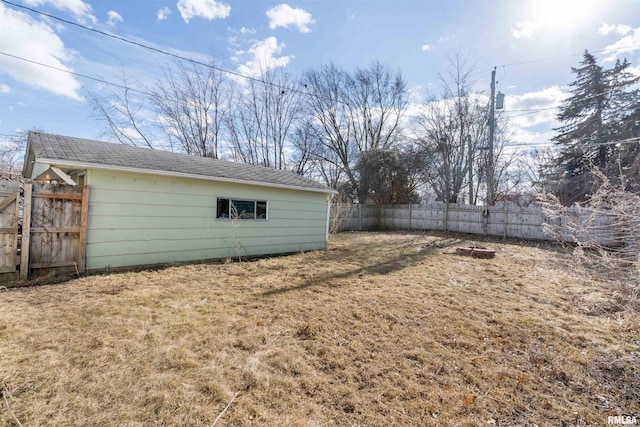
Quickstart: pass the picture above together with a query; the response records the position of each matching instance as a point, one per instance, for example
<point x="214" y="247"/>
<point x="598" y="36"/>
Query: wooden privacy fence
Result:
<point x="44" y="229"/>
<point x="505" y="221"/>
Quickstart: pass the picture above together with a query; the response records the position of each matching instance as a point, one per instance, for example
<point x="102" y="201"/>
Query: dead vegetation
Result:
<point x="381" y="329"/>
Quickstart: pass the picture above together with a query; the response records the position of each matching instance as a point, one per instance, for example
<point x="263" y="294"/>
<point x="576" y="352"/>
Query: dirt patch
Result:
<point x="381" y="329"/>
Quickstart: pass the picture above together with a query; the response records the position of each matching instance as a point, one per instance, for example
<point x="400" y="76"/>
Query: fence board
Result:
<point x="26" y="233"/>
<point x="9" y="225"/>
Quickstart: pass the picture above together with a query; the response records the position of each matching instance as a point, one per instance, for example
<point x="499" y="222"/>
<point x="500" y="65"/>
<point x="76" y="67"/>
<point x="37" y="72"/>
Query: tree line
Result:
<point x="361" y="132"/>
<point x="350" y="129"/>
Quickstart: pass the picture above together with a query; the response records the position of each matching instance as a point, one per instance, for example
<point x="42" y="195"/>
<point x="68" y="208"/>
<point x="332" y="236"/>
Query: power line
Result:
<point x="552" y="58"/>
<point x="533" y="61"/>
<point x="128" y="88"/>
<point x="529" y="112"/>
<point x="505" y="114"/>
<point x="234" y="73"/>
<point x="164" y="52"/>
<point x="74" y="73"/>
<point x="155" y="49"/>
<point x="537" y="110"/>
<point x="596" y="144"/>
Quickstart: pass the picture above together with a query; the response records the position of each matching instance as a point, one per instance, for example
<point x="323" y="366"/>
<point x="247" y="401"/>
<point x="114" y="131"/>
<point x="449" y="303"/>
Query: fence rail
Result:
<point x="505" y="221"/>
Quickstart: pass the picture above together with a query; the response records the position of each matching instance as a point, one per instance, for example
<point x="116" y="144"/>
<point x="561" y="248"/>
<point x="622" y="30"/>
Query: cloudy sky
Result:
<point x="45" y="63"/>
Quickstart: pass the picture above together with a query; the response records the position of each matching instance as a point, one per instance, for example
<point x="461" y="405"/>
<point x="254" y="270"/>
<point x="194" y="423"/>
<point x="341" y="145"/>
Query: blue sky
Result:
<point x="533" y="44"/>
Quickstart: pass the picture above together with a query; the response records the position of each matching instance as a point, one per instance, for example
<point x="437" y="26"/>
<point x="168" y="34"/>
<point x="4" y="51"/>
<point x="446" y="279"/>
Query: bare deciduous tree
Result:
<point x="452" y="135"/>
<point x="188" y="107"/>
<point x="263" y="120"/>
<point x="354" y="113"/>
<point x="12" y="153"/>
<point x="450" y="131"/>
<point x="122" y="109"/>
<point x="192" y="104"/>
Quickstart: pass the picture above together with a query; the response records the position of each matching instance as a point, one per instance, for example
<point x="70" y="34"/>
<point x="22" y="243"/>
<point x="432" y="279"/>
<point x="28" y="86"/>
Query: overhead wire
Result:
<point x="156" y="49"/>
<point x="191" y="60"/>
<point x="109" y="83"/>
<point x="73" y="72"/>
<point x="553" y="58"/>
<point x="133" y="89"/>
<point x="235" y="73"/>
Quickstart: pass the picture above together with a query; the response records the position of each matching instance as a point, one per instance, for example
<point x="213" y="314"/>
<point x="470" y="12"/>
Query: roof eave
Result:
<point x="83" y="165"/>
<point x="27" y="166"/>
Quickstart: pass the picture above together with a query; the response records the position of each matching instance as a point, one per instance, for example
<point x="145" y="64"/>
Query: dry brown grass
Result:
<point x="381" y="329"/>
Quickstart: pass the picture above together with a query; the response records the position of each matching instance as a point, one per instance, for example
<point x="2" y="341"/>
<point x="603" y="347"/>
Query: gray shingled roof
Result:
<point x="99" y="153"/>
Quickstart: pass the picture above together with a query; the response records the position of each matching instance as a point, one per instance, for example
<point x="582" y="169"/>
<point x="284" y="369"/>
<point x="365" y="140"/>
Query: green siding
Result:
<point x="137" y="219"/>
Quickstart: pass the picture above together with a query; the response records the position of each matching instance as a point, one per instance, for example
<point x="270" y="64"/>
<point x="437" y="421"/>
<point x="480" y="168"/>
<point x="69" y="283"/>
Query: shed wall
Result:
<point x="138" y="219"/>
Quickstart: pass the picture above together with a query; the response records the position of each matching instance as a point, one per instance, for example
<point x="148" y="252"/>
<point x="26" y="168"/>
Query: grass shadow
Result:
<point x="388" y="266"/>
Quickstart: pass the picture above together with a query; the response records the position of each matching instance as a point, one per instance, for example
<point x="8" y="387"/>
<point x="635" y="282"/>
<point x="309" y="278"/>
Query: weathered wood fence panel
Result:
<point x="57" y="235"/>
<point x="9" y="227"/>
<point x="347" y="216"/>
<point x="54" y="230"/>
<point x="506" y="221"/>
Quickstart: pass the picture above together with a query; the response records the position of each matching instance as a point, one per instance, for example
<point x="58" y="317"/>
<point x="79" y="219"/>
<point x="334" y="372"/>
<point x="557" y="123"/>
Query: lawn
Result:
<point x="381" y="329"/>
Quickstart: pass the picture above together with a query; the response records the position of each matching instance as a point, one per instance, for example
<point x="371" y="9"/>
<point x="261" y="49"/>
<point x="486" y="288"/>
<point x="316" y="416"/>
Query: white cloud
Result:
<point x="163" y="13"/>
<point x="605" y="29"/>
<point x="525" y="29"/>
<point x="546" y="101"/>
<point x="628" y="43"/>
<point x="285" y="16"/>
<point x="426" y="48"/>
<point x="114" y="17"/>
<point x="527" y="140"/>
<point x="263" y="57"/>
<point x="208" y="9"/>
<point x="4" y="88"/>
<point x="246" y="31"/>
<point x="522" y="136"/>
<point x="634" y="70"/>
<point x="25" y="37"/>
<point x="81" y="10"/>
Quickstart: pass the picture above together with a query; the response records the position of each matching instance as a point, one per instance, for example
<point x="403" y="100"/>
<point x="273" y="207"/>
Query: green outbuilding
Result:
<point x="148" y="206"/>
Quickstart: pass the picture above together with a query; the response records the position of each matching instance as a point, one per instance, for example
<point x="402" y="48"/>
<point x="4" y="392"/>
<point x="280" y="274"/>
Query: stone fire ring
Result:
<point x="476" y="251"/>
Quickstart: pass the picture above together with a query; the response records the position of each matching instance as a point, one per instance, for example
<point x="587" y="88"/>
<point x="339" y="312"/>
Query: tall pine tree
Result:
<point x="601" y="109"/>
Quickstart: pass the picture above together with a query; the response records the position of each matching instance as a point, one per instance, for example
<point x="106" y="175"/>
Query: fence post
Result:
<point x="485" y="218"/>
<point x="446" y="216"/>
<point x="84" y="214"/>
<point x="359" y="217"/>
<point x="506" y="220"/>
<point x="26" y="233"/>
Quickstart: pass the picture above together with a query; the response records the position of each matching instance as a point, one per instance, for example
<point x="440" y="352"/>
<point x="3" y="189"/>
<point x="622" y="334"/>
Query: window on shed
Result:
<point x="241" y="209"/>
<point x="222" y="210"/>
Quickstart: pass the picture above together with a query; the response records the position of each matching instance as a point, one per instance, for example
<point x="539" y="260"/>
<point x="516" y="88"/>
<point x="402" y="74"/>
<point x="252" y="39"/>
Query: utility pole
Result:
<point x="471" y="156"/>
<point x="492" y="128"/>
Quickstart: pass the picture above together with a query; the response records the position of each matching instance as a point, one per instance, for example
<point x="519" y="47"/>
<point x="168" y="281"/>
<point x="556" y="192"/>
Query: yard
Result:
<point x="381" y="329"/>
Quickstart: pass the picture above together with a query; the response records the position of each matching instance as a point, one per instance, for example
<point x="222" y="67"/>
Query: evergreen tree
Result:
<point x="390" y="177"/>
<point x="601" y="109"/>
